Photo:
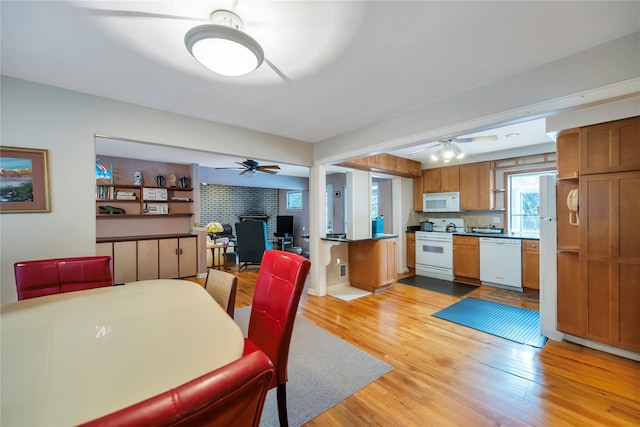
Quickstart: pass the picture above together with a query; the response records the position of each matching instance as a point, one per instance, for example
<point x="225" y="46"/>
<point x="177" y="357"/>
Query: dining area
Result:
<point x="77" y="350"/>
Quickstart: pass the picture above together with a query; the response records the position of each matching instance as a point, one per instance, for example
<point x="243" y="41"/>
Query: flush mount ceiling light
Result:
<point x="448" y="151"/>
<point x="222" y="47"/>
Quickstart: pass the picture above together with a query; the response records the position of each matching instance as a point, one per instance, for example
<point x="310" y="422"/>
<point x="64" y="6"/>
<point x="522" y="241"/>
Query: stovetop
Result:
<point x="440" y="224"/>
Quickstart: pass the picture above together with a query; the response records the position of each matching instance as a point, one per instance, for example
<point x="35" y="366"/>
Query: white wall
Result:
<point x="65" y="122"/>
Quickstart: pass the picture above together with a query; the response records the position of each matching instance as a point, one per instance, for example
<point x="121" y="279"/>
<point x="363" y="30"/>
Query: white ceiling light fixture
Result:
<point x="223" y="47"/>
<point x="450" y="151"/>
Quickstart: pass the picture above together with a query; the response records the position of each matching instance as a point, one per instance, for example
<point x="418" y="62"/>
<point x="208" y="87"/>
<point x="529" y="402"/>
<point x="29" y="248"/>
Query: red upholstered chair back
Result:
<point x="278" y="289"/>
<point x="230" y="396"/>
<point x="53" y="276"/>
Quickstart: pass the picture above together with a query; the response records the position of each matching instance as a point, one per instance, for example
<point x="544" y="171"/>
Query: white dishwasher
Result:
<point x="501" y="262"/>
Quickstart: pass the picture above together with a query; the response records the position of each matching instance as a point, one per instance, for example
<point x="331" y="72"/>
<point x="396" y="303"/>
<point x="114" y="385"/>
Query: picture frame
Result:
<point x="24" y="180"/>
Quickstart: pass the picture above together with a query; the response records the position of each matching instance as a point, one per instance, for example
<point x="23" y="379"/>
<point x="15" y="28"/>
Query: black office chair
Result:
<point x="251" y="235"/>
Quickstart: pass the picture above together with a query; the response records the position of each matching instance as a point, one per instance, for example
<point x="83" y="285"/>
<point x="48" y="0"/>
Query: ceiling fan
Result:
<point x="251" y="167"/>
<point x="449" y="149"/>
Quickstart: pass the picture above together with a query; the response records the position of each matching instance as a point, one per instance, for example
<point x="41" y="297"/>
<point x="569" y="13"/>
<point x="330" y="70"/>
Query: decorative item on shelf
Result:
<point x="137" y="178"/>
<point x="160" y="180"/>
<point x="185" y="182"/>
<point x="110" y="210"/>
<point x="213" y="228"/>
<point x="173" y="180"/>
<point x="103" y="175"/>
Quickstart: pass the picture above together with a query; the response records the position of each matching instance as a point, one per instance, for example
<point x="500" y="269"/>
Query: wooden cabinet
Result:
<point x="441" y="180"/>
<point x="411" y="250"/>
<point x="610" y="257"/>
<point x="373" y="264"/>
<point x="610" y="147"/>
<point x="431" y="180"/>
<point x="567" y="154"/>
<point x="476" y="182"/>
<point x="466" y="259"/>
<point x="417" y="194"/>
<point x="148" y="259"/>
<point x="387" y="163"/>
<point x="178" y="257"/>
<point x="125" y="262"/>
<point x="531" y="264"/>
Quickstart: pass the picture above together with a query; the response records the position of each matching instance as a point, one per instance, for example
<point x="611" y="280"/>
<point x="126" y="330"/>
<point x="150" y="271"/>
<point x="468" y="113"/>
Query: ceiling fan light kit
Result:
<point x="451" y="150"/>
<point x="222" y="47"/>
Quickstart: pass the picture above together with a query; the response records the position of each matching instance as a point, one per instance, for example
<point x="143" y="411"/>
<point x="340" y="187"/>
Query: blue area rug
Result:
<point x="505" y="321"/>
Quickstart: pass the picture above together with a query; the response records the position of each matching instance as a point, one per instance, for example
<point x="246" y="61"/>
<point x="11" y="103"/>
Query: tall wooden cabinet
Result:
<point x="610" y="257"/>
<point x="599" y="259"/>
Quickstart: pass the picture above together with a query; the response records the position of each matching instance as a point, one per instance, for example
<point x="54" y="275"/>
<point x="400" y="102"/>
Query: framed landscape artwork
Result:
<point x="24" y="180"/>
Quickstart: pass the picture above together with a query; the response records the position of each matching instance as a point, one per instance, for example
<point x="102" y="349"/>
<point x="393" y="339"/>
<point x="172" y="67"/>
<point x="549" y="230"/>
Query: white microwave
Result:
<point x="441" y="202"/>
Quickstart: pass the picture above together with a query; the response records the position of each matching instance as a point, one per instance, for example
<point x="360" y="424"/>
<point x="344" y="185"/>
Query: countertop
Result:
<point x="374" y="237"/>
<point x="521" y="236"/>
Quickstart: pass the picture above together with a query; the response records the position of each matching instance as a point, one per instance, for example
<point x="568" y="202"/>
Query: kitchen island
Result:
<point x="372" y="262"/>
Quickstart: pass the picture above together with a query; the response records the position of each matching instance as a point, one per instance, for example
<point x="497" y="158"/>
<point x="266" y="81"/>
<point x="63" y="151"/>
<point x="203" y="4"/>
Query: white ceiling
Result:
<point x="332" y="66"/>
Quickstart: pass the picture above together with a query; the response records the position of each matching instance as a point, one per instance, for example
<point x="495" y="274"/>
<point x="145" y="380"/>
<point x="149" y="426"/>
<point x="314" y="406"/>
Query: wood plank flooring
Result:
<point x="445" y="374"/>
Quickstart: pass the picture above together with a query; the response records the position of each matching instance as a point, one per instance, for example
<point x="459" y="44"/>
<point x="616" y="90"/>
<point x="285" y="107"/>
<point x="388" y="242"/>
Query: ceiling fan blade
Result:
<point x="277" y="71"/>
<point x="135" y="14"/>
<point x="267" y="171"/>
<point x="269" y="167"/>
<point x="478" y="139"/>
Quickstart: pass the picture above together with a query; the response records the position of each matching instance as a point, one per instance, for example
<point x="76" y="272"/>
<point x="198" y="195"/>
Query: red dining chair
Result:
<point x="58" y="275"/>
<point x="230" y="396"/>
<point x="278" y="289"/>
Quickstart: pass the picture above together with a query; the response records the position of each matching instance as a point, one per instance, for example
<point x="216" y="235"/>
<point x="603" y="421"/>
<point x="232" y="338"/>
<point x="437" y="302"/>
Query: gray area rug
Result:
<point x="323" y="371"/>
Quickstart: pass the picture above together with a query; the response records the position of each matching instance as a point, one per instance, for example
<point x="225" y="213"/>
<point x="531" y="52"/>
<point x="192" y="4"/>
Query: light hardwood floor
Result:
<point x="445" y="374"/>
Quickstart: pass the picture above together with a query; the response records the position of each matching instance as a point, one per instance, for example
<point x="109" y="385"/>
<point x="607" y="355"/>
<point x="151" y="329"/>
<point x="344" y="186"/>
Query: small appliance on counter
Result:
<point x="377" y="225"/>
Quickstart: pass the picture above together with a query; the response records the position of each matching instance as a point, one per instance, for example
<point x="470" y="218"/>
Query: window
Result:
<point x="374" y="199"/>
<point x="294" y="200"/>
<point x="524" y="202"/>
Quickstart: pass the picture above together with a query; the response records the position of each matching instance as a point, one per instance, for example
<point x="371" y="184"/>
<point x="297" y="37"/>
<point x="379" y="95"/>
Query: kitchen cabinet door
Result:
<point x="431" y="180"/>
<point x="411" y="250"/>
<point x="450" y="179"/>
<point x="417" y="194"/>
<point x="610" y="147"/>
<point x="567" y="154"/>
<point x="609" y="257"/>
<point x="148" y="259"/>
<point x="388" y="261"/>
<point x="466" y="259"/>
<point x="188" y="256"/>
<point x="531" y="264"/>
<point x="475" y="186"/>
<point x="125" y="262"/>
<point x="168" y="256"/>
<point x="178" y="257"/>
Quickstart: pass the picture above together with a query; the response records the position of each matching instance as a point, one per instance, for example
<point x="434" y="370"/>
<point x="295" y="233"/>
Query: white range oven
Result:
<point x="434" y="249"/>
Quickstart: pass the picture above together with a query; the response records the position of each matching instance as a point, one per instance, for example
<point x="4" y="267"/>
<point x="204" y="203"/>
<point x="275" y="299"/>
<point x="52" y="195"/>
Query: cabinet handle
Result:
<point x="180" y="251"/>
<point x="176" y="251"/>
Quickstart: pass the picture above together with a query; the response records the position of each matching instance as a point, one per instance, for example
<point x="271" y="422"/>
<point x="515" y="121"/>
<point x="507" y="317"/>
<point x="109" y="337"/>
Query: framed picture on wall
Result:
<point x="24" y="180"/>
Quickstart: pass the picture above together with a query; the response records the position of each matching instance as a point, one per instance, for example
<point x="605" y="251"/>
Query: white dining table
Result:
<point x="73" y="357"/>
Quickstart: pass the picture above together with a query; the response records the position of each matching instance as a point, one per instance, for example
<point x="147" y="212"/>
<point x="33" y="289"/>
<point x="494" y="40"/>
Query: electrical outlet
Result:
<point x="496" y="220"/>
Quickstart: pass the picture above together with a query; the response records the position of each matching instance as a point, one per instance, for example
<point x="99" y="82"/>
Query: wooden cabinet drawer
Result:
<point x="466" y="240"/>
<point x="531" y="245"/>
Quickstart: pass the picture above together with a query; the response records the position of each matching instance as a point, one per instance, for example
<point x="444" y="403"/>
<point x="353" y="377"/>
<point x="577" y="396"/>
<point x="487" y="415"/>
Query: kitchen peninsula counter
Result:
<point x="374" y="237"/>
